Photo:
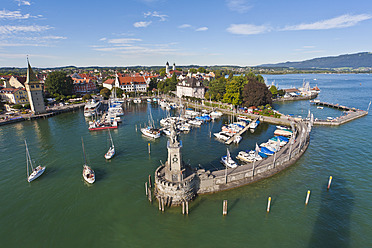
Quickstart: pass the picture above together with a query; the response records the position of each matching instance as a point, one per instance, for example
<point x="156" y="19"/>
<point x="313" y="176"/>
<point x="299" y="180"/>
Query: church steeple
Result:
<point x="31" y="77"/>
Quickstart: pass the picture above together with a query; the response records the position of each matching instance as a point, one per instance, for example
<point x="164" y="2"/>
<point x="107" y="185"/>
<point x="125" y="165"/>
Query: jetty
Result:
<point x="229" y="141"/>
<point x="351" y="114"/>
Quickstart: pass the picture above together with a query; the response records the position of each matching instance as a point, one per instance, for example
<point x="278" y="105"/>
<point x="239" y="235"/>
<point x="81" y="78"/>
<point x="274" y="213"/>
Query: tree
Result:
<point x="119" y="92"/>
<point x="273" y="90"/>
<point x="58" y="82"/>
<point x="256" y="93"/>
<point x="193" y="70"/>
<point x="217" y="86"/>
<point x="87" y="97"/>
<point x="105" y="93"/>
<point x="153" y="84"/>
<point x="202" y="70"/>
<point x="233" y="93"/>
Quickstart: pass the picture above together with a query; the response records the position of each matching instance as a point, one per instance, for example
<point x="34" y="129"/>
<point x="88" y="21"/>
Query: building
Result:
<point x="34" y="90"/>
<point x="17" y="82"/>
<point x="129" y="83"/>
<point x="84" y="86"/>
<point x="14" y="95"/>
<point x="190" y="87"/>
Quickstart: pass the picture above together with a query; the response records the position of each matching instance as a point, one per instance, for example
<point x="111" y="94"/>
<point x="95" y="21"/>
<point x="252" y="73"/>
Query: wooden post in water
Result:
<point x="147" y="193"/>
<point x="159" y="204"/>
<point x="162" y="204"/>
<point x="150" y="184"/>
<point x="268" y="204"/>
<point x="187" y="207"/>
<point x="149" y="148"/>
<point x="329" y="182"/>
<point x="150" y="197"/>
<point x="136" y="128"/>
<point x="307" y="197"/>
<point x="183" y="207"/>
<point x="224" y="207"/>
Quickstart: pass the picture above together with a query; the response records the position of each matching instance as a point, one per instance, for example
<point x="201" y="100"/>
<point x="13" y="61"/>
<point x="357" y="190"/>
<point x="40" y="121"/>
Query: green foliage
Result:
<point x="273" y="90"/>
<point x="202" y="70"/>
<point x="206" y="95"/>
<point x="119" y="92"/>
<point x="105" y="93"/>
<point x="87" y="97"/>
<point x="27" y="106"/>
<point x="217" y="88"/>
<point x="153" y="84"/>
<point x="17" y="106"/>
<point x="193" y="70"/>
<point x="281" y="92"/>
<point x="255" y="93"/>
<point x="233" y="92"/>
<point x="58" y="82"/>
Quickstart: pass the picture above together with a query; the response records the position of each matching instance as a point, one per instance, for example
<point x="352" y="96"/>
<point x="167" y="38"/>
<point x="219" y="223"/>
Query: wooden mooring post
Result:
<point x="224" y="207"/>
<point x="307" y="197"/>
<point x="329" y="182"/>
<point x="183" y="207"/>
<point x="149" y="148"/>
<point x="147" y="193"/>
<point x="268" y="204"/>
<point x="162" y="204"/>
<point x="150" y="184"/>
<point x="149" y="196"/>
<point x="187" y="207"/>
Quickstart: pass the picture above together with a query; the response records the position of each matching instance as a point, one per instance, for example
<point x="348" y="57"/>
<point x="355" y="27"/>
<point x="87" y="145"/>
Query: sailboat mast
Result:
<point x="112" y="142"/>
<point x="26" y="157"/>
<point x="85" y="159"/>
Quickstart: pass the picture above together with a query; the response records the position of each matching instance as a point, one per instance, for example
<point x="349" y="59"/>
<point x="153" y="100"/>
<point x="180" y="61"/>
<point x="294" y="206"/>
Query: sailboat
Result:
<point x="88" y="173"/>
<point x="227" y="160"/>
<point x="36" y="172"/>
<point x="111" y="151"/>
<point x="150" y="131"/>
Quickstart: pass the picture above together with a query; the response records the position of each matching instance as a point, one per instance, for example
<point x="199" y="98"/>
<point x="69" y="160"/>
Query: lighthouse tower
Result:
<point x="175" y="180"/>
<point x="34" y="91"/>
<point x="174" y="171"/>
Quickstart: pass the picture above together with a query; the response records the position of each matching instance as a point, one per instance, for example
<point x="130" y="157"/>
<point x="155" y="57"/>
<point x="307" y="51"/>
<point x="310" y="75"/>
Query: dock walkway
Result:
<point x="229" y="141"/>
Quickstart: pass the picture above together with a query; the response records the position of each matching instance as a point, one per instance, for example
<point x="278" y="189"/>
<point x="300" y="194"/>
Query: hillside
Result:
<point x="352" y="61"/>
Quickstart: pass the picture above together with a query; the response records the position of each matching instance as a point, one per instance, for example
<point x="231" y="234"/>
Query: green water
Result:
<point x="60" y="210"/>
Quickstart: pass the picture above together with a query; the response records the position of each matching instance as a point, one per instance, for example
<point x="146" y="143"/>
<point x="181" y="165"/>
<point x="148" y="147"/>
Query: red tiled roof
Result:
<point x="109" y="81"/>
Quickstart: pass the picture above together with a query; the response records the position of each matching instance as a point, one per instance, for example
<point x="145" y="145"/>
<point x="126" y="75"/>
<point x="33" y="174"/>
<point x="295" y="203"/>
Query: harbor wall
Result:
<point x="211" y="182"/>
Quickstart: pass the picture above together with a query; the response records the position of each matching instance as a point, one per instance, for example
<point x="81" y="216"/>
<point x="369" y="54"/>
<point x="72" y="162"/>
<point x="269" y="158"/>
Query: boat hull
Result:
<point x="33" y="175"/>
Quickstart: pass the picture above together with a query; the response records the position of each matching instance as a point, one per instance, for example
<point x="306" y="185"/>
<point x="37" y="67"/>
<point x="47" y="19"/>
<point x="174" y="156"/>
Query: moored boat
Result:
<point x="228" y="161"/>
<point x="88" y="173"/>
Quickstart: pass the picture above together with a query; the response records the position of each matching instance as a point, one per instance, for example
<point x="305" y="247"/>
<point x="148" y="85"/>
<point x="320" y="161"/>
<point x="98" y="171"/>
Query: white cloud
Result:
<point x="240" y="6"/>
<point x="247" y="29"/>
<point x="123" y="40"/>
<point x="7" y="29"/>
<point x="103" y="39"/>
<point x="343" y="21"/>
<point x="156" y="14"/>
<point x="185" y="26"/>
<point x="6" y="14"/>
<point x="141" y="24"/>
<point x="23" y="2"/>
<point x="22" y="45"/>
<point x="202" y="29"/>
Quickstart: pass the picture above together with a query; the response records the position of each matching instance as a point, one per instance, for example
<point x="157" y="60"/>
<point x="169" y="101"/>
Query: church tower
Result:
<point x="174" y="168"/>
<point x="174" y="66"/>
<point x="34" y="91"/>
<point x="167" y="68"/>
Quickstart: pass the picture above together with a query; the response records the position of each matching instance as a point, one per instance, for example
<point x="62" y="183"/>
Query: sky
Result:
<point x="198" y="32"/>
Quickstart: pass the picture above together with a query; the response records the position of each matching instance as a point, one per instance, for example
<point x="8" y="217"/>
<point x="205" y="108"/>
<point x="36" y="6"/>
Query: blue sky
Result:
<point x="152" y="32"/>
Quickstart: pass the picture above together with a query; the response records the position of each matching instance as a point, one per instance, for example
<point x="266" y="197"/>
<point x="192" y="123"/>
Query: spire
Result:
<point x="31" y="77"/>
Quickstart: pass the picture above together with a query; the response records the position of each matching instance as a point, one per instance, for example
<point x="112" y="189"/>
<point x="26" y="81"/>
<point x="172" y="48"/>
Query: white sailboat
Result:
<point x="36" y="172"/>
<point x="111" y="151"/>
<point x="228" y="161"/>
<point x="88" y="173"/>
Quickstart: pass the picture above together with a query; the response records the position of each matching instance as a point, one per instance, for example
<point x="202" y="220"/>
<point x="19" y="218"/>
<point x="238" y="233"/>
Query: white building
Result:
<point x="190" y="87"/>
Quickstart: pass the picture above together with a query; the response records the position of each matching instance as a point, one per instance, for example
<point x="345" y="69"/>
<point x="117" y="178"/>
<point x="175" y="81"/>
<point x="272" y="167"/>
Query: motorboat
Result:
<point x="91" y="108"/>
<point x="228" y="161"/>
<point x="151" y="132"/>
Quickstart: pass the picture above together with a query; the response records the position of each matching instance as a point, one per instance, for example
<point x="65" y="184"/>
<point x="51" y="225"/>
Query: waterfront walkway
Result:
<point x="50" y="112"/>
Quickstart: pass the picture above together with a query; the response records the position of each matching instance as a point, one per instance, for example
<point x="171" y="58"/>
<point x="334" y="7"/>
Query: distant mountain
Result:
<point x="353" y="61"/>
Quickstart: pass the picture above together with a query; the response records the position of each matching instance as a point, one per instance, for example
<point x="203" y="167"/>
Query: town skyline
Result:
<point x="152" y="32"/>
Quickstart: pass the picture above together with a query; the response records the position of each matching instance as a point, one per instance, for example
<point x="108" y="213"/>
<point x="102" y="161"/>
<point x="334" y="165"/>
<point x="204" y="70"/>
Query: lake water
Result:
<point x="60" y="210"/>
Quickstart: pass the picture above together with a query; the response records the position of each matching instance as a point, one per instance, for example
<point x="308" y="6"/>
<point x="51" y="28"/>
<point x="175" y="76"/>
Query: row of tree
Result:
<point x="245" y="90"/>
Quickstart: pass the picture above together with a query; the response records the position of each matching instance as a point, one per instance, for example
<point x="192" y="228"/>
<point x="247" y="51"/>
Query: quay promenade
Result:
<point x="50" y="112"/>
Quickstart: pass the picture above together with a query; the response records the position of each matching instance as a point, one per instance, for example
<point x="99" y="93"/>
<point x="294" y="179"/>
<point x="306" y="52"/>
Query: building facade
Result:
<point x="190" y="87"/>
<point x="14" y="96"/>
<point x="129" y="83"/>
